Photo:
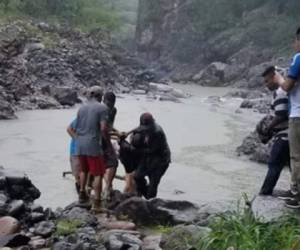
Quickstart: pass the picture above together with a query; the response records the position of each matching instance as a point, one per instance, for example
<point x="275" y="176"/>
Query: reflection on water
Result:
<point x="202" y="138"/>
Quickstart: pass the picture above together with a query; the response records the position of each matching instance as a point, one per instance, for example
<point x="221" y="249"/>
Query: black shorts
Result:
<point x="111" y="159"/>
<point x="128" y="157"/>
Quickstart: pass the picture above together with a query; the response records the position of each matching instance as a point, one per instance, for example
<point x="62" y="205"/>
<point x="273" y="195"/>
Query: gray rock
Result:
<point x="169" y="98"/>
<point x="268" y="208"/>
<point x="36" y="208"/>
<point x="16" y="207"/>
<point x="262" y="105"/>
<point x="157" y="211"/>
<point x="177" y="211"/>
<point x="62" y="246"/>
<point x="45" y="102"/>
<point x="8" y="226"/>
<point x="37" y="243"/>
<point x="36" y="217"/>
<point x="139" y="92"/>
<point x="65" y="95"/>
<point x="245" y="94"/>
<point x="137" y="209"/>
<point x="212" y="75"/>
<point x="86" y="234"/>
<point x="118" y="240"/>
<point x="81" y="215"/>
<point x="3" y="205"/>
<point x="184" y="237"/>
<point x="152" y="242"/>
<point x="253" y="147"/>
<point x="14" y="240"/>
<point x="44" y="228"/>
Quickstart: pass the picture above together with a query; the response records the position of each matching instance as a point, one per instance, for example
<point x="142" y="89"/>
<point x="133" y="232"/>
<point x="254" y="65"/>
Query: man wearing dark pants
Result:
<point x="155" y="157"/>
<point x="292" y="86"/>
<point x="279" y="127"/>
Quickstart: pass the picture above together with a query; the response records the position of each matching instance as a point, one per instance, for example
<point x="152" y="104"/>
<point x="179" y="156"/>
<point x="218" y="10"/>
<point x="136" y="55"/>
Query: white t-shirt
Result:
<point x="294" y="95"/>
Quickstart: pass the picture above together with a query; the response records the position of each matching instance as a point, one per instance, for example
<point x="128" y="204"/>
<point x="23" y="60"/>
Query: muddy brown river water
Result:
<point x="202" y="132"/>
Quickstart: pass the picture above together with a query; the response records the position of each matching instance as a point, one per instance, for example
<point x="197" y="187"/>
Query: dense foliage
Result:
<point x="240" y="230"/>
<point x="83" y="13"/>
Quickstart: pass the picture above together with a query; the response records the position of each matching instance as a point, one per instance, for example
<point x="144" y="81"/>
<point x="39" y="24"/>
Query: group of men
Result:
<point x="284" y="128"/>
<point x="93" y="157"/>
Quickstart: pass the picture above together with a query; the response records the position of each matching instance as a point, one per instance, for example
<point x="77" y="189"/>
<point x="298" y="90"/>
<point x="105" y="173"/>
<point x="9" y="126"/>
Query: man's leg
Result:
<point x="75" y="167"/>
<point x="294" y="141"/>
<point x="154" y="180"/>
<point x="129" y="183"/>
<point x="109" y="177"/>
<point x="98" y="187"/>
<point x="111" y="162"/>
<point x="140" y="180"/>
<point x="97" y="169"/>
<point x="278" y="158"/>
<point x="83" y="176"/>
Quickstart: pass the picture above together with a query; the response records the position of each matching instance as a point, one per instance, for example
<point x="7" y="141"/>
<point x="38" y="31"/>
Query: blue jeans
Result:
<point x="280" y="157"/>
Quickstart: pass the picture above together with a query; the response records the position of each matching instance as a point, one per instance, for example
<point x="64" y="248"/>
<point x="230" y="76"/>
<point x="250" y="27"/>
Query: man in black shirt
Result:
<point x="155" y="156"/>
<point x="110" y="156"/>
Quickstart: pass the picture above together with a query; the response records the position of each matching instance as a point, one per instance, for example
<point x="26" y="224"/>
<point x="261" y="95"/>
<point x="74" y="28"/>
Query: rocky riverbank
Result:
<point x="128" y="223"/>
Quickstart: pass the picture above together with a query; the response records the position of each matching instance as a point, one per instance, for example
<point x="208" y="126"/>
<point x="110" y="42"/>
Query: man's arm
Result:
<point x="71" y="132"/>
<point x="276" y="121"/>
<point x="286" y="84"/>
<point x="71" y="129"/>
<point x="293" y="75"/>
<point x="105" y="133"/>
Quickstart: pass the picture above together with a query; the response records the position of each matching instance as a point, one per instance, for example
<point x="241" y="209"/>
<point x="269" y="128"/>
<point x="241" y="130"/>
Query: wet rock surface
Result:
<point x="157" y="211"/>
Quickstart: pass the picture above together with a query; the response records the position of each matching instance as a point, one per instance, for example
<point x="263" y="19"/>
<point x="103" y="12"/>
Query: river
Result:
<point x="202" y="134"/>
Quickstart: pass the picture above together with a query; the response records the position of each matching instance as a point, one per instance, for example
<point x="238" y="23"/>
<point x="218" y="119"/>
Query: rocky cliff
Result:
<point x="215" y="43"/>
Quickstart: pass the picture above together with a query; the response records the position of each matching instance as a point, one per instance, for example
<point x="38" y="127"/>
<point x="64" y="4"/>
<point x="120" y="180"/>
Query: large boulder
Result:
<point x="212" y="75"/>
<point x="8" y="226"/>
<point x="157" y="211"/>
<point x="65" y="95"/>
<point x="81" y="215"/>
<point x="269" y="208"/>
<point x="121" y="239"/>
<point x="19" y="187"/>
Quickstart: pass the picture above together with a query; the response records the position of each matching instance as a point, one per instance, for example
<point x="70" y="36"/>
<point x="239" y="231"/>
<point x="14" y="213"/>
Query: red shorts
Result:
<point x="93" y="164"/>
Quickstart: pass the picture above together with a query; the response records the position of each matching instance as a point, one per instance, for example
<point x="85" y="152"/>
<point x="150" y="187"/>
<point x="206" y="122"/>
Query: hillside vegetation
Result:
<point x="116" y="16"/>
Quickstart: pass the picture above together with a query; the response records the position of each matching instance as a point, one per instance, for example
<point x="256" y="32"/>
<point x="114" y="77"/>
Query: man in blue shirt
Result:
<point x="292" y="86"/>
<point x="74" y="159"/>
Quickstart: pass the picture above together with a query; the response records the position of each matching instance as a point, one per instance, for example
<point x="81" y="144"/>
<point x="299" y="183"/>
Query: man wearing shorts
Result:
<point x="91" y="129"/>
